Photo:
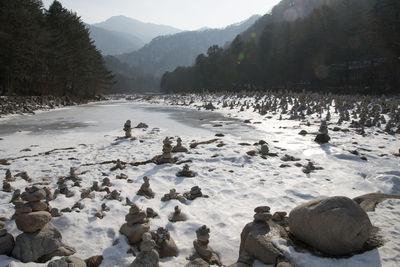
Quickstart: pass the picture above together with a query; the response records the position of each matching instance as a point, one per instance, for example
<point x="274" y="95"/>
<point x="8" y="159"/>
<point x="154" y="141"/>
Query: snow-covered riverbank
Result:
<point x="235" y="181"/>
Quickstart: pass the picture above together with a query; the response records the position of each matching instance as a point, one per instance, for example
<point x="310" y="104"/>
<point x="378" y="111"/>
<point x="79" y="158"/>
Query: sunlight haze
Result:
<point x="182" y="14"/>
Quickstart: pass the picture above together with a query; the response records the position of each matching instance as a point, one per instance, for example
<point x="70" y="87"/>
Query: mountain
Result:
<point x="144" y="31"/>
<point x="114" y="42"/>
<point x="165" y="53"/>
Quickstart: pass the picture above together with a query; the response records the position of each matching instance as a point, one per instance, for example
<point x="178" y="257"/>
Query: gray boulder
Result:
<point x="6" y="242"/>
<point x="31" y="246"/>
<point x="70" y="261"/>
<point x="199" y="262"/>
<point x="335" y="225"/>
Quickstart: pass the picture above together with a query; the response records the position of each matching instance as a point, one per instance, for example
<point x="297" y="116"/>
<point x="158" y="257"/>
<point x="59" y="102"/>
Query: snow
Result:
<point x="235" y="182"/>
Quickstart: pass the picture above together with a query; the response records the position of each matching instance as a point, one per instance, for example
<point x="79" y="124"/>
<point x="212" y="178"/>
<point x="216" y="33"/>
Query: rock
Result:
<point x="32" y="222"/>
<point x="322" y="138"/>
<point x="134" y="232"/>
<point x="368" y="202"/>
<point x="31" y="246"/>
<point x="21" y="207"/>
<point x="251" y="153"/>
<point x="203" y="250"/>
<point x="264" y="150"/>
<point x="70" y="261"/>
<point x="335" y="225"/>
<point x="199" y="262"/>
<point x="61" y="251"/>
<point x="142" y="125"/>
<point x="151" y="213"/>
<point x="6" y="243"/>
<point x="179" y="148"/>
<point x="94" y="261"/>
<point x="2" y="225"/>
<point x="146" y="259"/>
<point x="128" y="129"/>
<point x="38" y="206"/>
<point x="16" y="196"/>
<point x="145" y="189"/>
<point x="33" y="194"/>
<point x="303" y="132"/>
<point x="284" y="264"/>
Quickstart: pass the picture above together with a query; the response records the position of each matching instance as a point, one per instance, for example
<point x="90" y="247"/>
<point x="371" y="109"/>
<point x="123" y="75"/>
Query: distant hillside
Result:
<point x="165" y="53"/>
<point x="286" y="10"/>
<point x="144" y="31"/>
<point x="113" y="42"/>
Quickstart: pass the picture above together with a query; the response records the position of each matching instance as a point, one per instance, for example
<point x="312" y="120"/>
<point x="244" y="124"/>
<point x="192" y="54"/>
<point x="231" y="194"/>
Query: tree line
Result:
<point x="341" y="46"/>
<point x="47" y="52"/>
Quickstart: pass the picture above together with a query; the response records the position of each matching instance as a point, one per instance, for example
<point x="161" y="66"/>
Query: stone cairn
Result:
<point x="118" y="166"/>
<point x="40" y="240"/>
<point x="322" y="137"/>
<point x="9" y="176"/>
<point x="185" y="172"/>
<point x="179" y="148"/>
<point x="256" y="238"/>
<point x="128" y="129"/>
<point x="6" y="240"/>
<point x="173" y="195"/>
<point x="177" y="215"/>
<point x="145" y="189"/>
<point x="136" y="225"/>
<point x="194" y="193"/>
<point x="148" y="256"/>
<point x="166" y="157"/>
<point x="202" y="249"/>
<point x="165" y="244"/>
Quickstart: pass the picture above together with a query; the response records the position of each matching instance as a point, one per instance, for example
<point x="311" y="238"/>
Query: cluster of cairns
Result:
<point x="29" y="104"/>
<point x="360" y="111"/>
<point x="40" y="240"/>
<point x="10" y="178"/>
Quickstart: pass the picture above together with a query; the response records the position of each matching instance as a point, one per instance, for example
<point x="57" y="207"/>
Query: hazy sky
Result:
<point x="182" y="14"/>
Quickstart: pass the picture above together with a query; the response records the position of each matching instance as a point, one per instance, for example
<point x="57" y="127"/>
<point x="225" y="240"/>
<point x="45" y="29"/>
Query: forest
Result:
<point x="47" y="52"/>
<point x="342" y="47"/>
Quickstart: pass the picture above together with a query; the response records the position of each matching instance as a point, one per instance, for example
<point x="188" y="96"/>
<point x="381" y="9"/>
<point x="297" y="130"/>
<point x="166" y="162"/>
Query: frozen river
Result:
<point x="92" y="122"/>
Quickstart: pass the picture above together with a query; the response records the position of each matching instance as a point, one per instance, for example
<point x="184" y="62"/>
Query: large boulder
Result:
<point x="134" y="232"/>
<point x="335" y="225"/>
<point x="6" y="242"/>
<point x="31" y="246"/>
<point x="32" y="222"/>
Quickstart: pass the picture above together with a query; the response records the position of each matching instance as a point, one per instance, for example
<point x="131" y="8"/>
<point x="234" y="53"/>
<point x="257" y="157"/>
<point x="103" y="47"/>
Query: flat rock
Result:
<point x="34" y="196"/>
<point x="199" y="262"/>
<point x="32" y="222"/>
<point x="94" y="261"/>
<point x="368" y="202"/>
<point x="335" y="225"/>
<point x="31" y="246"/>
<point x="70" y="261"/>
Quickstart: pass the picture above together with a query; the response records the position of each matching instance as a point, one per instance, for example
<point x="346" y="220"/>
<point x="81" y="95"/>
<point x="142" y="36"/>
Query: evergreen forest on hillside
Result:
<point x="344" y="47"/>
<point x="47" y="52"/>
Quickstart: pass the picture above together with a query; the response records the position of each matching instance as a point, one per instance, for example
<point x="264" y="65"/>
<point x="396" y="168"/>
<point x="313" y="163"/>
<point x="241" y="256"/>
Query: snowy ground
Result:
<point x="235" y="182"/>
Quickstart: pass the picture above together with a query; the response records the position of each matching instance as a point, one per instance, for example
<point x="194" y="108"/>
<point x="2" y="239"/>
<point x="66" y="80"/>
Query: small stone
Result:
<point x="38" y="205"/>
<point x="33" y="194"/>
<point x="262" y="209"/>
